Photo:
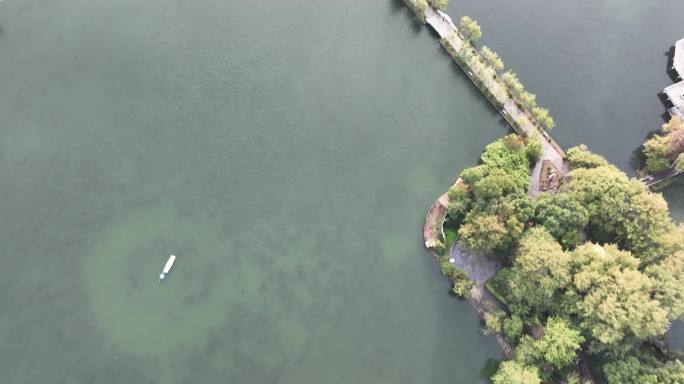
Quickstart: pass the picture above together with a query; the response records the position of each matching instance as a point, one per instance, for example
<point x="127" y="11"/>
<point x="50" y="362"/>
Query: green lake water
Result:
<point x="287" y="153"/>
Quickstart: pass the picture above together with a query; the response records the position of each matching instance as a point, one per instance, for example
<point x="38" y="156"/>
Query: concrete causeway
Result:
<point x="514" y="115"/>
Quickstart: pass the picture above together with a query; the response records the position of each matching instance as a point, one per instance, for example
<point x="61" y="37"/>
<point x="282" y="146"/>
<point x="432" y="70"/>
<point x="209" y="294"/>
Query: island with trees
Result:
<point x="577" y="269"/>
<point x="591" y="274"/>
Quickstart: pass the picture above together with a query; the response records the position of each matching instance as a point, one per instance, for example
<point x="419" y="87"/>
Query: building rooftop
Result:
<point x="678" y="60"/>
<point x="675" y="92"/>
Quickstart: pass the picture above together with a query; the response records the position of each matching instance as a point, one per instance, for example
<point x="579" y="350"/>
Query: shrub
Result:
<point x="655" y="165"/>
<point x="472" y="175"/>
<point x="492" y="322"/>
<point x="580" y="157"/>
<point x="515" y="163"/>
<point x="461" y="283"/>
<point x="439" y="248"/>
<point x="514" y="142"/>
<point x="512" y="328"/>
<point x="533" y="150"/>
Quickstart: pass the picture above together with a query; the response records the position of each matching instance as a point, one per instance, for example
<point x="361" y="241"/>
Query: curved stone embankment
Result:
<point x="477" y="266"/>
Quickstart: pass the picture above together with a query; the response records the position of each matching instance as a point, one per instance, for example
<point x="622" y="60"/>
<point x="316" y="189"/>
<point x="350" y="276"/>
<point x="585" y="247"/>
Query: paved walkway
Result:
<point x="662" y="176"/>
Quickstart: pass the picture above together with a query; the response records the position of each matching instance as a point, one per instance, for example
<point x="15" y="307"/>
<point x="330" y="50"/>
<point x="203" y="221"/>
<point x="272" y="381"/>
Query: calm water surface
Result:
<point x="287" y="153"/>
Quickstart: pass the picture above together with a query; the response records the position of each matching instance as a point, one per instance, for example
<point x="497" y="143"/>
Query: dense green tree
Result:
<point x="440" y="4"/>
<point x="527" y="100"/>
<point x="472" y="175"/>
<point x="459" y="202"/>
<point x="511" y="159"/>
<point x="646" y="220"/>
<point x="527" y="352"/>
<point x="664" y="148"/>
<point x="680" y="163"/>
<point x="631" y="371"/>
<point x="560" y="343"/>
<point x="494" y="185"/>
<point x="669" y="290"/>
<point x="421" y="7"/>
<point x="486" y="73"/>
<point x="461" y="283"/>
<point x="512" y="212"/>
<point x="470" y="28"/>
<point x="621" y="210"/>
<point x="605" y="192"/>
<point x="581" y="157"/>
<point x="656" y="164"/>
<point x="511" y="81"/>
<point x="512" y="328"/>
<point x="493" y="321"/>
<point x="484" y="233"/>
<point x="563" y="217"/>
<point x="539" y="273"/>
<point x="534" y="150"/>
<point x="543" y="117"/>
<point x="468" y="53"/>
<point x="615" y="301"/>
<point x="492" y="58"/>
<point x="512" y="372"/>
<point x="669" y="272"/>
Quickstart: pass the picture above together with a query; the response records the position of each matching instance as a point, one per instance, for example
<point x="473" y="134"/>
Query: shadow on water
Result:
<point x="638" y="158"/>
<point x="474" y="90"/>
<point x="667" y="104"/>
<point x="2" y="31"/>
<point x="489" y="368"/>
<point x="670" y="62"/>
<point x="397" y="5"/>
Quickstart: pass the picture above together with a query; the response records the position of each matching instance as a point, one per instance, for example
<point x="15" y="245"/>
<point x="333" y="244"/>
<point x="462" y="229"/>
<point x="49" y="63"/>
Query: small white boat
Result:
<point x="167" y="267"/>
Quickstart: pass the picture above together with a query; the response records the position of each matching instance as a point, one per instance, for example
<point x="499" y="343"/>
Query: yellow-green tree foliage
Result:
<point x="421" y="7"/>
<point x="662" y="150"/>
<point x="470" y="28"/>
<point x="613" y="299"/>
<point x="621" y="210"/>
<point x="512" y="372"/>
<point x="440" y="4"/>
<point x="540" y="271"/>
<point x="560" y="343"/>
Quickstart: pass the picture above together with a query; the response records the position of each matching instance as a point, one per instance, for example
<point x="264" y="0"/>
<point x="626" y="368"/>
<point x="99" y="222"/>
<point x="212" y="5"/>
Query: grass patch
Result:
<point x="450" y="235"/>
<point x="490" y="285"/>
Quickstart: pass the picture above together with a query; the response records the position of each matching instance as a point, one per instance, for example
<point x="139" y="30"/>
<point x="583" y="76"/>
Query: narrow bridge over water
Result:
<point x="665" y="175"/>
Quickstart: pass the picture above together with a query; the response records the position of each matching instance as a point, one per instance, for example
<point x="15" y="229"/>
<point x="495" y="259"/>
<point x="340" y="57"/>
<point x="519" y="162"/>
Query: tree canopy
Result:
<point x="492" y="58"/>
<point x="470" y="28"/>
<point x="632" y="371"/>
<point x="440" y="4"/>
<point x="512" y="372"/>
<point x="511" y="81"/>
<point x="580" y="157"/>
<point x="563" y="216"/>
<point x="664" y="148"/>
<point x="560" y="343"/>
